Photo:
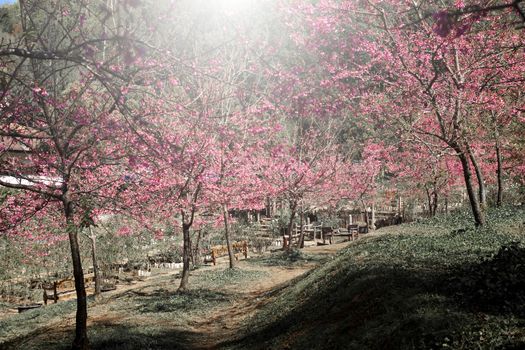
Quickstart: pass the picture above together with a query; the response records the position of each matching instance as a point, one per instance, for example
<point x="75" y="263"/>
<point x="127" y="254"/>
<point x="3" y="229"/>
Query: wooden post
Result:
<point x="213" y="257"/>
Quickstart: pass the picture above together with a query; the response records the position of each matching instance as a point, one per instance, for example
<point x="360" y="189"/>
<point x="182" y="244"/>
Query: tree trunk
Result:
<point x="301" y="224"/>
<point x="196" y="254"/>
<point x="293" y="209"/>
<point x="481" y="181"/>
<point x="185" y="256"/>
<point x="432" y="196"/>
<point x="186" y="249"/>
<point x="429" y="200"/>
<point x="227" y="235"/>
<point x="373" y="218"/>
<point x="365" y="211"/>
<point x="93" y="239"/>
<point x="479" y="218"/>
<point x="435" y="202"/>
<point x="81" y="340"/>
<point x="499" y="158"/>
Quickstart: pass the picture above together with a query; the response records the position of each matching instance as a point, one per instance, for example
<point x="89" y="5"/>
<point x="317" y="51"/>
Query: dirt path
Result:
<point x="225" y="322"/>
<point x="202" y="329"/>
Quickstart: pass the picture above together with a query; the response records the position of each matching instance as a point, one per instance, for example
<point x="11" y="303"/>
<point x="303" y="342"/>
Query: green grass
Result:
<point x="11" y="326"/>
<point x="286" y="258"/>
<point x="428" y="285"/>
<point x="221" y="278"/>
<point x="182" y="303"/>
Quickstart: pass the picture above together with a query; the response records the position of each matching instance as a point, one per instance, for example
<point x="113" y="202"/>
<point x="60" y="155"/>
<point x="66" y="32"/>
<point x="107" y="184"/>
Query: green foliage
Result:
<point x="172" y="253"/>
<point x="119" y="337"/>
<point x="260" y="244"/>
<point x="329" y="219"/>
<point x="277" y="227"/>
<point x="4" y="193"/>
<point x="463" y="219"/>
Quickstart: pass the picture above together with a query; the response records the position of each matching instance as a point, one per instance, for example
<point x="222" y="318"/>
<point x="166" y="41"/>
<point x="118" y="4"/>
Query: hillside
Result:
<point x="432" y="285"/>
<point x="428" y="285"/>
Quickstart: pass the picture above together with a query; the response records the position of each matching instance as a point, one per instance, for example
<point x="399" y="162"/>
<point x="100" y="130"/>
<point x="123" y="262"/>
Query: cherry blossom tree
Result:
<point x="417" y="70"/>
<point x="434" y="85"/>
<point x="65" y="124"/>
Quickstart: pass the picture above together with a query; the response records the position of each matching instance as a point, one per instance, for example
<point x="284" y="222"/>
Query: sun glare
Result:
<point x="231" y="6"/>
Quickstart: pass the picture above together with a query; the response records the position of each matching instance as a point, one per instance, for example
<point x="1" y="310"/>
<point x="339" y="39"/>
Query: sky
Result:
<point x="2" y="2"/>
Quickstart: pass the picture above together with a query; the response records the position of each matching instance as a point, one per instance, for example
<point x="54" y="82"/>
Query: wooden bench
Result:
<point x="221" y="250"/>
<point x="352" y="232"/>
<point x="326" y="233"/>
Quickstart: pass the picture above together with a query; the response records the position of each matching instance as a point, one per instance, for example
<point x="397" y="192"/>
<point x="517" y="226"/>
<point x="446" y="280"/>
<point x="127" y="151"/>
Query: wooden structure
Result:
<point x="352" y="232"/>
<point x="53" y="291"/>
<point x="221" y="250"/>
<point x="326" y="233"/>
<point x="23" y="308"/>
<point x="264" y="227"/>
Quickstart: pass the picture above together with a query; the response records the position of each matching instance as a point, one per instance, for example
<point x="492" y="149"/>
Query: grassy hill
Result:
<point x="438" y="284"/>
